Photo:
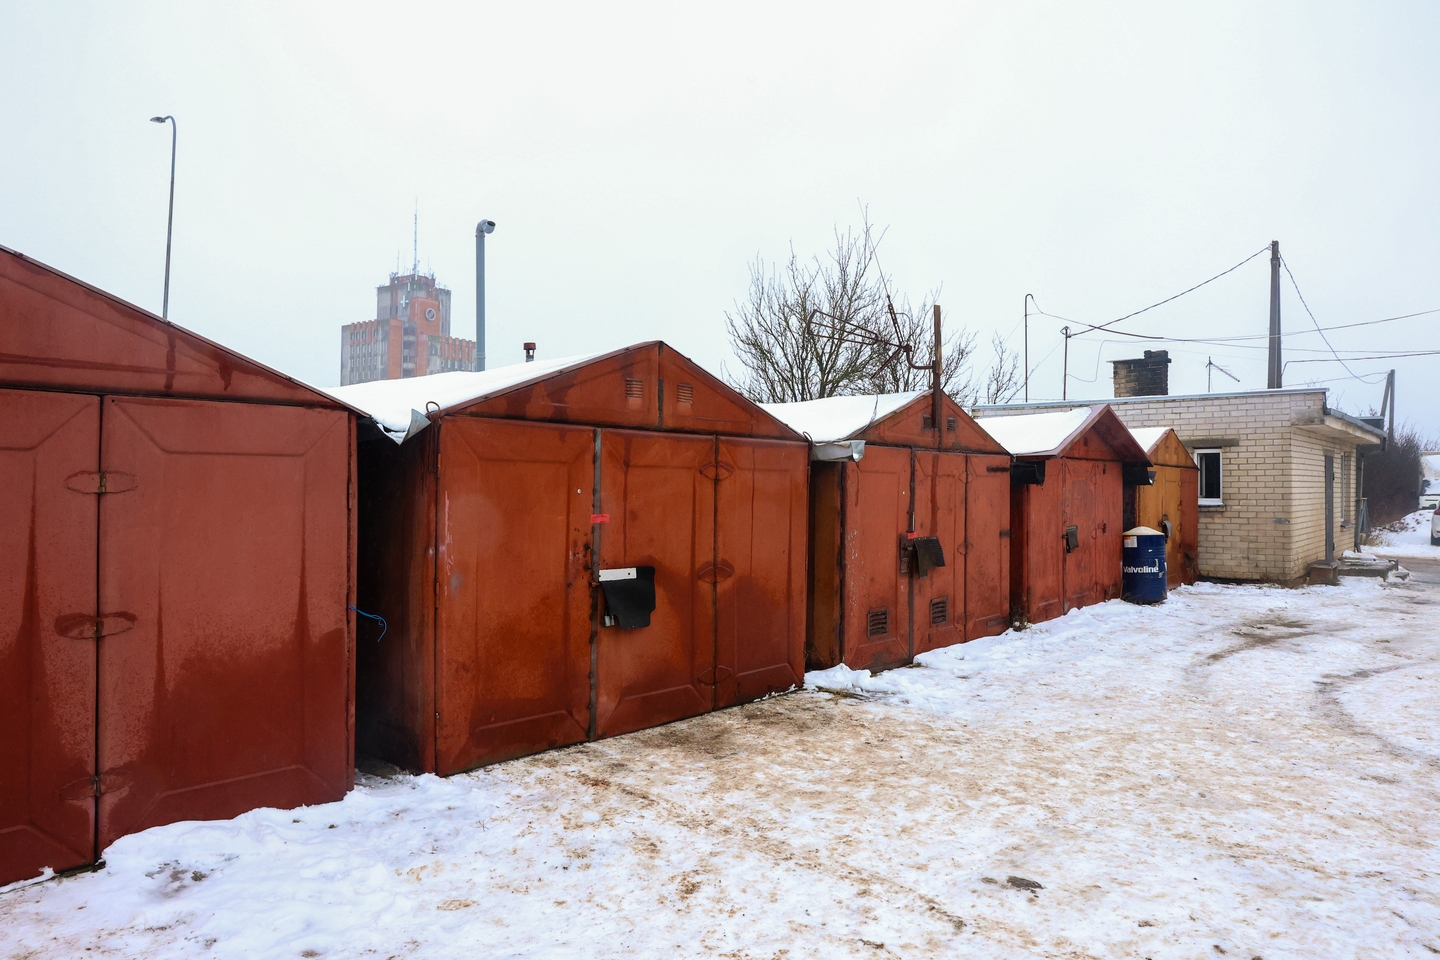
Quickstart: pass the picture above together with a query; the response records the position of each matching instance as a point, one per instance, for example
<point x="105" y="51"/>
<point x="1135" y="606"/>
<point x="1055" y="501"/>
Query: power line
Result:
<point x="1238" y="340"/>
<point x="1103" y="326"/>
<point x="1312" y="315"/>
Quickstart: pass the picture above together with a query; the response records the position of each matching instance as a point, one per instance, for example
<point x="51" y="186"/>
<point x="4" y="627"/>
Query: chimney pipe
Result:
<point x="529" y="353"/>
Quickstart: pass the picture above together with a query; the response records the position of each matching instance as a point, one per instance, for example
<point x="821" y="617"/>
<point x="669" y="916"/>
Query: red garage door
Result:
<point x="988" y="539"/>
<point x="49" y="453"/>
<point x="760" y="571"/>
<point x="513" y="644"/>
<point x="224" y="541"/>
<point x="658" y="491"/>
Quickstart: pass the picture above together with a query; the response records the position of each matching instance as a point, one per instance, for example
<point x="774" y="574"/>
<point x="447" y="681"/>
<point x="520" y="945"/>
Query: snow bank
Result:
<point x="1407" y="537"/>
<point x="838" y="418"/>
<point x="1034" y="433"/>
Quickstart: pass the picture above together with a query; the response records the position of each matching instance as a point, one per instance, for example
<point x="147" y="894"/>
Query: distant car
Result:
<point x="1435" y="528"/>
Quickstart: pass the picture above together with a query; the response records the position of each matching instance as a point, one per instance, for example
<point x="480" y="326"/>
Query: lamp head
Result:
<point x="157" y="119"/>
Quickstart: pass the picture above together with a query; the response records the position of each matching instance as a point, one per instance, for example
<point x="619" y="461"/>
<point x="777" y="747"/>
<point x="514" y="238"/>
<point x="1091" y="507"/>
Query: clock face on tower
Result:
<point x="429" y="313"/>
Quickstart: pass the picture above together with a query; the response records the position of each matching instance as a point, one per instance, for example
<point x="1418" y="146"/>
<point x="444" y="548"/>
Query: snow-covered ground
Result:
<point x="1243" y="771"/>
<point x="1407" y="537"/>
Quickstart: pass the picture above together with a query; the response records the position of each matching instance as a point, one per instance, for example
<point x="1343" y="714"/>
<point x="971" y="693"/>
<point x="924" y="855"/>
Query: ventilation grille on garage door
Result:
<point x="940" y="610"/>
<point x="634" y="389"/>
<point x="879" y="623"/>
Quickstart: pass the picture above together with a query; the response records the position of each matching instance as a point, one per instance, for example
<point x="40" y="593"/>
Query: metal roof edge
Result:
<point x="1355" y="422"/>
<point x="318" y="392"/>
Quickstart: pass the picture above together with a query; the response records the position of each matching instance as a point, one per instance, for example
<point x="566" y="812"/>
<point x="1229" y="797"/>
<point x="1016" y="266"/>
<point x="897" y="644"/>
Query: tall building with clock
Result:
<point x="409" y="337"/>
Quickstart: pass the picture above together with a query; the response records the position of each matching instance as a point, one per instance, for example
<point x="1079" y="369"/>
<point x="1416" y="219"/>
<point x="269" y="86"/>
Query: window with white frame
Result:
<point x="1210" y="487"/>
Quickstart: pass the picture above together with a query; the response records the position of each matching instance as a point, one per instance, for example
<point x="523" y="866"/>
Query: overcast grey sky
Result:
<point x="637" y="158"/>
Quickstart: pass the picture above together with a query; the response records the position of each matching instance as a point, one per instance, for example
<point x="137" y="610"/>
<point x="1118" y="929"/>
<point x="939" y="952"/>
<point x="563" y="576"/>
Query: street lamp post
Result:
<point x="482" y="228"/>
<point x="170" y="220"/>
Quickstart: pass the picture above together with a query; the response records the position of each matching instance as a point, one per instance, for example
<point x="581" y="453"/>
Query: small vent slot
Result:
<point x="927" y="422"/>
<point x="940" y="610"/>
<point x="879" y="623"/>
<point x="634" y="389"/>
<point x="685" y="393"/>
<point x="950" y="424"/>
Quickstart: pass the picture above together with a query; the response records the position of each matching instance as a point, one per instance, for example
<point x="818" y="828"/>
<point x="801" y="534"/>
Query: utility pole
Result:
<point x="937" y="377"/>
<point x="1387" y="405"/>
<point x="1276" y="377"/>
<point x="1065" y="365"/>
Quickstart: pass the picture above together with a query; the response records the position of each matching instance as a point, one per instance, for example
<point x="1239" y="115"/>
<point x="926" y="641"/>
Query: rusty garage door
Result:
<point x="760" y="545"/>
<point x="939" y="610"/>
<point x="49" y="451"/>
<point x="224" y="566"/>
<point x="1093" y="495"/>
<point x="987" y="552"/>
<point x="513" y="644"/>
<point x="657" y="493"/>
<point x="877" y="596"/>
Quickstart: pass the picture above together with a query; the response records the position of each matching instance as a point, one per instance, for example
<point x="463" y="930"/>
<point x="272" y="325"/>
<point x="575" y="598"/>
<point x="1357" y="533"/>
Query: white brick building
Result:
<point x="1263" y="457"/>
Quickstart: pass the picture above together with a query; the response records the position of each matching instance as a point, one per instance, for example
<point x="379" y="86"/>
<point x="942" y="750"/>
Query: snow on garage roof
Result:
<point x="1147" y="437"/>
<point x="1034" y="433"/>
<point x="838" y="418"/>
<point x="393" y="403"/>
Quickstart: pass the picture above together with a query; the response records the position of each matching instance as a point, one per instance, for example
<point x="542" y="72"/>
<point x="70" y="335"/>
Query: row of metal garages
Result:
<point x="560" y="551"/>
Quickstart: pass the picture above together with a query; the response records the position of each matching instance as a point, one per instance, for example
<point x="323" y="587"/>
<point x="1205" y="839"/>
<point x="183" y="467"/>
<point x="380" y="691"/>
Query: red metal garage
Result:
<point x="888" y="499"/>
<point x="1067" y="506"/>
<point x="500" y="538"/>
<point x="177" y="543"/>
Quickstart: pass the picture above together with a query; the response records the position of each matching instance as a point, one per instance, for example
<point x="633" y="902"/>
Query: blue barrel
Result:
<point x="1143" y="557"/>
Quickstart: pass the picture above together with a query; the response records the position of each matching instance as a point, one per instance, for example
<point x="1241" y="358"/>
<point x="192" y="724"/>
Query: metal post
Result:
<point x="481" y="229"/>
<point x="1065" y="366"/>
<point x="170" y="219"/>
<point x="1027" y="347"/>
<point x="937" y="378"/>
<point x="1277" y="370"/>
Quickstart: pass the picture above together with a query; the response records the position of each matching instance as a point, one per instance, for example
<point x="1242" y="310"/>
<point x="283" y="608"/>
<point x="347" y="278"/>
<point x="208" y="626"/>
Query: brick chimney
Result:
<point x="1147" y="377"/>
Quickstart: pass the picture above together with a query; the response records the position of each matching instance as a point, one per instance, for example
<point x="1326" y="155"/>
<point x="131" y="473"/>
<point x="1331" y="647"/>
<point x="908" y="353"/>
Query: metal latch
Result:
<point x="715" y="572"/>
<point x="83" y="626"/>
<point x="1072" y="539"/>
<point x="101" y="481"/>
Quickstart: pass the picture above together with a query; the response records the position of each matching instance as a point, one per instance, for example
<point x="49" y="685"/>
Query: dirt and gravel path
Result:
<point x="1241" y="772"/>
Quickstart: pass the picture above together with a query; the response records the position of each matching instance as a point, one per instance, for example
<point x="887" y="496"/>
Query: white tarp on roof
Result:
<point x="838" y="418"/>
<point x="393" y="403"/>
<point x="1147" y="437"/>
<point x="1030" y="433"/>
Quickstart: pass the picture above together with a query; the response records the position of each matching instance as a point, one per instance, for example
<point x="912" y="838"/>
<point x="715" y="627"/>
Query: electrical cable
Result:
<point x="1312" y="316"/>
<point x="1103" y="326"/>
<point x="373" y="616"/>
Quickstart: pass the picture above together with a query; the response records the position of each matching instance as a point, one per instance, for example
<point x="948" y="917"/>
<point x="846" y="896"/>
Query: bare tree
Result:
<point x="828" y="327"/>
<point x="1004" y="380"/>
<point x="781" y="331"/>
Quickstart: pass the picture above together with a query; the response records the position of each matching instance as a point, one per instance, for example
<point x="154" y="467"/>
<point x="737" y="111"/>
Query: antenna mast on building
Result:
<point x="1210" y="365"/>
<point x="415" y="270"/>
